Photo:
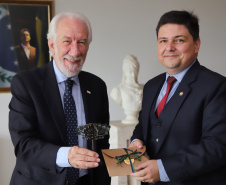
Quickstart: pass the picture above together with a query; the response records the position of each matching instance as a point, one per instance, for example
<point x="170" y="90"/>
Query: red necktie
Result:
<point x="170" y="82"/>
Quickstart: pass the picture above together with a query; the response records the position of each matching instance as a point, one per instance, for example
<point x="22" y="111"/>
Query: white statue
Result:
<point x="128" y="94"/>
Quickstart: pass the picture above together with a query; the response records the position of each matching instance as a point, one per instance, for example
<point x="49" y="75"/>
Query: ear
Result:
<point x="51" y="46"/>
<point x="197" y="45"/>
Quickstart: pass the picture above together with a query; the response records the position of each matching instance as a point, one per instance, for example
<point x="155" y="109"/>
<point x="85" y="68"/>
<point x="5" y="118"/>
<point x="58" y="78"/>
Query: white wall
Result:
<point x="7" y="159"/>
<point x="122" y="27"/>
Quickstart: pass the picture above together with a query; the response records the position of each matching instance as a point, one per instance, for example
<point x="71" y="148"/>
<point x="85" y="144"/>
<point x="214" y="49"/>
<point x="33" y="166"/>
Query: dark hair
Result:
<point x="23" y="30"/>
<point x="185" y="18"/>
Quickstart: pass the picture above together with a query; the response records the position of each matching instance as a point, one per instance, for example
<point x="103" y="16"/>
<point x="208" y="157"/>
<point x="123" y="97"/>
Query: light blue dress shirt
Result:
<point x="62" y="154"/>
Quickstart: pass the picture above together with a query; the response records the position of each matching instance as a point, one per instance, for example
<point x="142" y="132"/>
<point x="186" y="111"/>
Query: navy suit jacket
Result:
<point x="38" y="127"/>
<point x="190" y="134"/>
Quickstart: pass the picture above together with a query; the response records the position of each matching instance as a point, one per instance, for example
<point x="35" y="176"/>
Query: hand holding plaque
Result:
<point x="123" y="161"/>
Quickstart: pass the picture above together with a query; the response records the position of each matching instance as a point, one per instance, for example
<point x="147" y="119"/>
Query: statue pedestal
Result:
<point x="120" y="135"/>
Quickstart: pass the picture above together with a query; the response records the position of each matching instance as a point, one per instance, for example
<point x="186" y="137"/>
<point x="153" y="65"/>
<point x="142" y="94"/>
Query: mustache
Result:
<point x="72" y="59"/>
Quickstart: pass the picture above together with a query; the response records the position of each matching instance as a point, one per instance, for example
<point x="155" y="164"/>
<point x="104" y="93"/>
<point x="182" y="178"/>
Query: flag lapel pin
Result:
<point x="181" y="93"/>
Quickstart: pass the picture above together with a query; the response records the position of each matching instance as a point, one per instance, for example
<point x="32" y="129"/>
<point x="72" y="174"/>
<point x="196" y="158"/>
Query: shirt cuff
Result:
<point x="134" y="140"/>
<point x="162" y="172"/>
<point x="62" y="157"/>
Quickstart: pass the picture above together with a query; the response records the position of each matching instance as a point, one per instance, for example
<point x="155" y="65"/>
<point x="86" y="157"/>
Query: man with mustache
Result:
<point x="183" y="120"/>
<point x="42" y="131"/>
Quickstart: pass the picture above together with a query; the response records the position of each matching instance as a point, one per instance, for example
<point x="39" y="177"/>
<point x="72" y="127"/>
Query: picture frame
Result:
<point x="23" y="34"/>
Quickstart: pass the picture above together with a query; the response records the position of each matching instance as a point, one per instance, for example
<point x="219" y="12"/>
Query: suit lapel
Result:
<point x="172" y="108"/>
<point x="150" y="96"/>
<point x="86" y="93"/>
<point x="87" y="96"/>
<point x="52" y="96"/>
<point x="169" y="113"/>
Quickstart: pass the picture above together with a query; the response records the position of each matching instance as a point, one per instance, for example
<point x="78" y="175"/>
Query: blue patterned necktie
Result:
<point x="71" y="122"/>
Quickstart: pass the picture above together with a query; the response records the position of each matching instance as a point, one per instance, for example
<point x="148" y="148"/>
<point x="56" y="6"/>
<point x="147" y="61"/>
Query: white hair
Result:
<point x="52" y="32"/>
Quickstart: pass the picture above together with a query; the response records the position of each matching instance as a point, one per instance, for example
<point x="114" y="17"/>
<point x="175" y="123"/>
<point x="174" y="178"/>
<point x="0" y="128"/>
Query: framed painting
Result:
<point x="24" y="26"/>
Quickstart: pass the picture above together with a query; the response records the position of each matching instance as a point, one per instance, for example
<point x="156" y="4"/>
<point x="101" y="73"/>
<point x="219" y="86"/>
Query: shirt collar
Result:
<point x="179" y="76"/>
<point x="24" y="46"/>
<point x="60" y="77"/>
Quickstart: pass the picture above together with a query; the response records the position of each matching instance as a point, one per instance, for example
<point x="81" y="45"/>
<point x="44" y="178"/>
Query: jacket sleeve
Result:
<point x="209" y="153"/>
<point x="30" y="147"/>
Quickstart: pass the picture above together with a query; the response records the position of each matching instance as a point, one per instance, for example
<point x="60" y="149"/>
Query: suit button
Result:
<point x="159" y="124"/>
<point x="157" y="140"/>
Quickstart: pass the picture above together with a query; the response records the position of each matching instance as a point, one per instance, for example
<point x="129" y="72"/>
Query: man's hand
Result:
<point x="147" y="172"/>
<point x="138" y="143"/>
<point x="83" y="158"/>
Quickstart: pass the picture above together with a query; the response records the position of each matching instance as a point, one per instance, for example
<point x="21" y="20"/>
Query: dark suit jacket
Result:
<point x="25" y="63"/>
<point x="190" y="134"/>
<point x="38" y="128"/>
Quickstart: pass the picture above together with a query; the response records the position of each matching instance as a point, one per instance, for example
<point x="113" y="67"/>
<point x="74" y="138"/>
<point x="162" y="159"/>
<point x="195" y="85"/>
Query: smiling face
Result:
<point x="176" y="48"/>
<point x="71" y="46"/>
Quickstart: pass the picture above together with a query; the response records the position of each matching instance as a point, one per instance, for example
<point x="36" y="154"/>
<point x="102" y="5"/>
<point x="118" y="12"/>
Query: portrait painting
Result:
<point x="23" y="35"/>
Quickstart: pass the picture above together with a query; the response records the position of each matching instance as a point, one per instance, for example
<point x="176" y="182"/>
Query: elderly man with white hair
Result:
<point x="47" y="147"/>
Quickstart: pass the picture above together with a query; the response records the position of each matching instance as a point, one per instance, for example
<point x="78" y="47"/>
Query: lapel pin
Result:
<point x="88" y="92"/>
<point x="181" y="93"/>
